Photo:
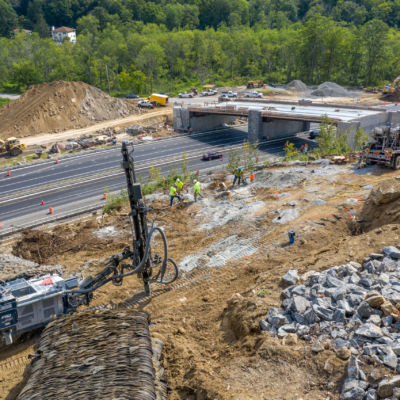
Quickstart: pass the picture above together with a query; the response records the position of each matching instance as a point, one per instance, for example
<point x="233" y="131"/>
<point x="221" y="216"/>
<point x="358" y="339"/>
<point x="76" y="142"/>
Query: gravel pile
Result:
<point x="330" y="89"/>
<point x="355" y="308"/>
<point x="12" y="267"/>
<point x="297" y="86"/>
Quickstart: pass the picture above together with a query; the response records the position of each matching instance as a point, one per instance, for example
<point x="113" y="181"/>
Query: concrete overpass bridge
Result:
<point x="272" y="120"/>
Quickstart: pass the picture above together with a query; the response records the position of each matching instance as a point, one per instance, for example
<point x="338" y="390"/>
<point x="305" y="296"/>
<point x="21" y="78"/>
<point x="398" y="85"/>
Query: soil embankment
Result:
<point x="57" y="106"/>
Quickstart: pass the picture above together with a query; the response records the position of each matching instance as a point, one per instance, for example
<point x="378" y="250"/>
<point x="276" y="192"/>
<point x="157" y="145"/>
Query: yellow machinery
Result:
<point x="159" y="99"/>
<point x="12" y="146"/>
<point x="254" y="84"/>
<point x="394" y="87"/>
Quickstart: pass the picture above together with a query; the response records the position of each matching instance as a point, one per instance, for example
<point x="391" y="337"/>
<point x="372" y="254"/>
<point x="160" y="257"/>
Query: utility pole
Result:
<point x="108" y="80"/>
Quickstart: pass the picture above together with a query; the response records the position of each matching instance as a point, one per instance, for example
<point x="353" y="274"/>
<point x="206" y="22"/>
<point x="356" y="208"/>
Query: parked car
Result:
<point x="305" y="102"/>
<point x="185" y="95"/>
<point x="314" y="133"/>
<point x="212" y="155"/>
<point x="229" y="94"/>
<point x="210" y="92"/>
<point x="145" y="104"/>
<point x="253" y="94"/>
<point x="132" y="96"/>
<point x="223" y="97"/>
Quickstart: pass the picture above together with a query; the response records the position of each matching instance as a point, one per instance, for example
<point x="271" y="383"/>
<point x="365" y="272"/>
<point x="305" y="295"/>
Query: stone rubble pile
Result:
<point x="354" y="307"/>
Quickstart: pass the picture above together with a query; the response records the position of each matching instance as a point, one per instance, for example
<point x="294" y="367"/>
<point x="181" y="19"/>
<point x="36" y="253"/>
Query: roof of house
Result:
<point x="22" y="30"/>
<point x="64" y="29"/>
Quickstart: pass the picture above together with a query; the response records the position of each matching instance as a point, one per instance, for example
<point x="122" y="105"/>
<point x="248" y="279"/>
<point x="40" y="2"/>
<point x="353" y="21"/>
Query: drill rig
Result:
<point x="29" y="304"/>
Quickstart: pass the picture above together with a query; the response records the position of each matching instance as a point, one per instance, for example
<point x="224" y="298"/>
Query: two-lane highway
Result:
<point x="78" y="181"/>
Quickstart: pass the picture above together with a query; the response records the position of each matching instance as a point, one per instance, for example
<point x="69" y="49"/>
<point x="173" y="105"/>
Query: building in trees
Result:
<point x="59" y="34"/>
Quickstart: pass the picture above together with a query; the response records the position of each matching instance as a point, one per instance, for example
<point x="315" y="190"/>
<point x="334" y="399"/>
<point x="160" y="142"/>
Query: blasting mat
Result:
<point x="98" y="354"/>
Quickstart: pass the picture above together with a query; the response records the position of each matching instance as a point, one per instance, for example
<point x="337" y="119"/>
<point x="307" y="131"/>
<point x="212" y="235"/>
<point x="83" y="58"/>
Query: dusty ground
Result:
<point x="213" y="346"/>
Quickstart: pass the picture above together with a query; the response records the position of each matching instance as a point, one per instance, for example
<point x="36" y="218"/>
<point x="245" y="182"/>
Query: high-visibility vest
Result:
<point x="197" y="187"/>
<point x="173" y="191"/>
<point x="179" y="185"/>
<point x="238" y="173"/>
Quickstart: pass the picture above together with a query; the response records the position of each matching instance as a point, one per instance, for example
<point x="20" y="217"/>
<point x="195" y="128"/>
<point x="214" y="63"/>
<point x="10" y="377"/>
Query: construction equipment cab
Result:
<point x="12" y="146"/>
<point x="254" y="84"/>
<point x="159" y="99"/>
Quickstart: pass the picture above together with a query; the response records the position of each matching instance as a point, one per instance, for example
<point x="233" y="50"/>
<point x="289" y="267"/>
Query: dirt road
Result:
<point x="157" y="116"/>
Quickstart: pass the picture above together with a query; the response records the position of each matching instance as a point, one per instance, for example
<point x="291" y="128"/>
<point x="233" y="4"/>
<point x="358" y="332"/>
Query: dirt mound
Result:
<point x="331" y="89"/>
<point x="57" y="106"/>
<point x="297" y="86"/>
<point x="382" y="206"/>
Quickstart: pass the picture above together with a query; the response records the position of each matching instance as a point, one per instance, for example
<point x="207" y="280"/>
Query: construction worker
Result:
<point x="179" y="185"/>
<point x="173" y="194"/>
<point x="305" y="148"/>
<point x="238" y="176"/>
<point x="196" y="189"/>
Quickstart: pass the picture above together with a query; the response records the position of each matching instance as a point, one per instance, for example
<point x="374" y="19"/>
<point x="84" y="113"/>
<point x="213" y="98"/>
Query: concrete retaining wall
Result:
<point x="181" y="119"/>
<point x="208" y="122"/>
<point x="279" y="128"/>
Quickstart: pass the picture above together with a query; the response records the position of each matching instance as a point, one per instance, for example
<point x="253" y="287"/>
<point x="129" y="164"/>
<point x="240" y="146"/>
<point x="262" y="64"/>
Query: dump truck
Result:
<point x="158" y="99"/>
<point x="12" y="146"/>
<point x="255" y="84"/>
<point x="383" y="149"/>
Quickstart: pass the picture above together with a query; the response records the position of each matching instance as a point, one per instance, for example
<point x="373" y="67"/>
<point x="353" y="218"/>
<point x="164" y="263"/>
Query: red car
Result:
<point x="212" y="155"/>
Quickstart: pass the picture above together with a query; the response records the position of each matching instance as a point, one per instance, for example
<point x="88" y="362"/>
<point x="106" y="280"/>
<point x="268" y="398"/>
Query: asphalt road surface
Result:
<point x="79" y="181"/>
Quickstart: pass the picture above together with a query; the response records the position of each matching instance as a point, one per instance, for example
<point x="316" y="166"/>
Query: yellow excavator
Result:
<point x="12" y="146"/>
<point x="394" y="87"/>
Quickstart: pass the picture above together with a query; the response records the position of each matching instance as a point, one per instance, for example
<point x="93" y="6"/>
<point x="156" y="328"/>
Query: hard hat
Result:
<point x="239" y="169"/>
<point x="195" y="181"/>
<point x="178" y="180"/>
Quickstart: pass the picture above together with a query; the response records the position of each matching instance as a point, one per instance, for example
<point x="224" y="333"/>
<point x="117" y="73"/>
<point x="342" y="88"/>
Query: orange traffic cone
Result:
<point x="42" y="203"/>
<point x="50" y="210"/>
<point x="104" y="196"/>
<point x="8" y="173"/>
<point x="252" y="177"/>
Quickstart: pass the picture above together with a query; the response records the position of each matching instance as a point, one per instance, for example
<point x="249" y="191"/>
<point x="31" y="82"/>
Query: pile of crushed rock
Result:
<point x="12" y="267"/>
<point x="331" y="89"/>
<point x="296" y="86"/>
<point x="354" y="307"/>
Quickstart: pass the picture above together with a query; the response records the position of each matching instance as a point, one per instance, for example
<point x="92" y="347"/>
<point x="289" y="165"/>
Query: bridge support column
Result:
<point x="255" y="125"/>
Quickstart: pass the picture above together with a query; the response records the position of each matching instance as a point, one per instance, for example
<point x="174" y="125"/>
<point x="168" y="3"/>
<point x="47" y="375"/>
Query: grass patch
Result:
<point x="115" y="202"/>
<point x="4" y="101"/>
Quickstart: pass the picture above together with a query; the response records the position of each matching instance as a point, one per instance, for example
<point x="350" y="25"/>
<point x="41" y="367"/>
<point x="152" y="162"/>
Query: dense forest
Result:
<point x="139" y="45"/>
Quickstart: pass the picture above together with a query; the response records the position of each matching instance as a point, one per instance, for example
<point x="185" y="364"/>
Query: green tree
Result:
<point x="8" y="18"/>
<point x="374" y="40"/>
<point x="25" y="74"/>
<point x="152" y="58"/>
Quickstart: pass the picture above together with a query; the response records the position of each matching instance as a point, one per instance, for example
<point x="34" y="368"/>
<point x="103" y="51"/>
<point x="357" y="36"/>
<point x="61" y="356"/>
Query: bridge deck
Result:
<point x="312" y="113"/>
